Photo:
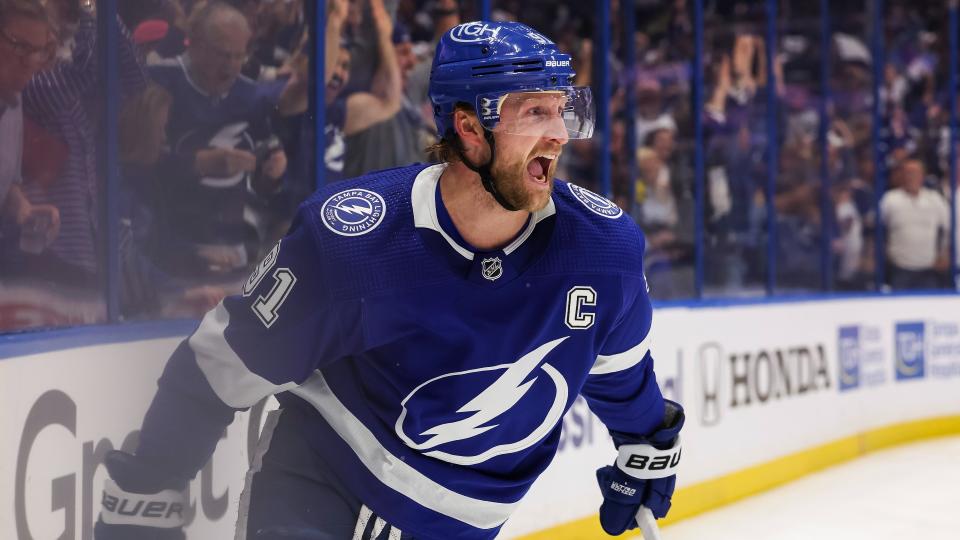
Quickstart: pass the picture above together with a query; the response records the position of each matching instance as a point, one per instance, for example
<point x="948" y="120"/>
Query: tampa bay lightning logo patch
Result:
<point x="597" y="204"/>
<point x="353" y="212"/>
<point x="505" y="408"/>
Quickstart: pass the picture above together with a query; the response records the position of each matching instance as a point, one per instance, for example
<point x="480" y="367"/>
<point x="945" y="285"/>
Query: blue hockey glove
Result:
<point x="645" y="474"/>
<point x="139" y="502"/>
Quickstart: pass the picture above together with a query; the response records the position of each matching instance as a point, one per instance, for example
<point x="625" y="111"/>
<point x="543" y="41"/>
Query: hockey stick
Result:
<point x="648" y="524"/>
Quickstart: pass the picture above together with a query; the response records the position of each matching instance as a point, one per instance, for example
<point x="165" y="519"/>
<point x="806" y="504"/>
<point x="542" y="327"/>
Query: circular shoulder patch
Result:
<point x="353" y="212"/>
<point x="597" y="204"/>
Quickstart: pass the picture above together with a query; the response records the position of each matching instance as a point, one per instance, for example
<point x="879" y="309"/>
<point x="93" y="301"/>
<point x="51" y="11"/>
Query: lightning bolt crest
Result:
<point x="229" y="136"/>
<point x="355" y="209"/>
<point x="495" y="400"/>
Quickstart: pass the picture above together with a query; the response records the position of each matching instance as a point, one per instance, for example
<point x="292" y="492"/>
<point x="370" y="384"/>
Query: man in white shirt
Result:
<point x="917" y="222"/>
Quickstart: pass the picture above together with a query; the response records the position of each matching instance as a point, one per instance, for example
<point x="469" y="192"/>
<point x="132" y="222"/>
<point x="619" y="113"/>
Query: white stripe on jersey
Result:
<point x="229" y="377"/>
<point x="266" y="437"/>
<point x="378" y="525"/>
<point x="394" y="472"/>
<point x="362" y="520"/>
<point x="621" y="361"/>
<point x="423" y="199"/>
<point x="538" y="216"/>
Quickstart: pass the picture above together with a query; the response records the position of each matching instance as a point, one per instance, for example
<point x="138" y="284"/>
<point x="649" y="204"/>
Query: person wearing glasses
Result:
<point x="65" y="101"/>
<point x="26" y="46"/>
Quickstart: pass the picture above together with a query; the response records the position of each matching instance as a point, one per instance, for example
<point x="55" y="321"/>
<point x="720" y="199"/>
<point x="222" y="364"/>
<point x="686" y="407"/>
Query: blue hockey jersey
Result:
<point x="430" y="377"/>
<point x="206" y="210"/>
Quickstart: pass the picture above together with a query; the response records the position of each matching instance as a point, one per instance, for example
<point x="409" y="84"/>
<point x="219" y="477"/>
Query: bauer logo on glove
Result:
<point x="163" y="509"/>
<point x="651" y="463"/>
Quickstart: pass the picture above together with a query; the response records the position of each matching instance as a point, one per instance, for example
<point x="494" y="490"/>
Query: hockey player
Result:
<point x="424" y="329"/>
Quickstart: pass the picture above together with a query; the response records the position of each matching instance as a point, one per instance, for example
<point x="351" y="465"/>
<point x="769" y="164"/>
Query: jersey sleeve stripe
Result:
<point x="393" y="471"/>
<point x="230" y="378"/>
<point x="621" y="361"/>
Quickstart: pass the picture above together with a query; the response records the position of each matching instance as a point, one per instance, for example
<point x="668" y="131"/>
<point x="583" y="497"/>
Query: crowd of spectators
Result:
<point x="820" y="208"/>
<point x="216" y="143"/>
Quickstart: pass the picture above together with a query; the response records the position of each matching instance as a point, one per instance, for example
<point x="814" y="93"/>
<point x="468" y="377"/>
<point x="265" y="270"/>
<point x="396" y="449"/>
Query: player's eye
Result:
<point x="536" y="111"/>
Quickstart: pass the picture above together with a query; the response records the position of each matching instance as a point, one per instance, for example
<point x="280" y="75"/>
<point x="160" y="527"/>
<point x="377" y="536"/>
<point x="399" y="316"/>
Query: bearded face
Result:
<point x="525" y="180"/>
<point x="529" y="140"/>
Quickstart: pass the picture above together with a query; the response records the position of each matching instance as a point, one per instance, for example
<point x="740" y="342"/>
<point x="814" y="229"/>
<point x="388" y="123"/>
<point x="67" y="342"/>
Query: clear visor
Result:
<point x="566" y="112"/>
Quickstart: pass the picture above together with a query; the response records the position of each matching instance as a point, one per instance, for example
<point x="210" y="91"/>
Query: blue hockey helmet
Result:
<point x="496" y="66"/>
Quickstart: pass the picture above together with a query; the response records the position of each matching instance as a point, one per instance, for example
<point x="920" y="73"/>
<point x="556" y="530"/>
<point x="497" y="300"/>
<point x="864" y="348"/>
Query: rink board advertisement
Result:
<point x="758" y="382"/>
<point x="64" y="410"/>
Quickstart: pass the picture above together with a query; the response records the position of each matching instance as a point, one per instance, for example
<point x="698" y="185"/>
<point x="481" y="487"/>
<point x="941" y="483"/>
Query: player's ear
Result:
<point x="469" y="130"/>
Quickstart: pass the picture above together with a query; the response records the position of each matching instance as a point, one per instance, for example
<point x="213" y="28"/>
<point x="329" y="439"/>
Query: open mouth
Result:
<point x="539" y="166"/>
<point x="335" y="83"/>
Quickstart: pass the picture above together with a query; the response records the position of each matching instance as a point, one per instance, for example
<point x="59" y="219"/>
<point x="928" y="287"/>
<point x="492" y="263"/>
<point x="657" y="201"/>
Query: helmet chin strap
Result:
<point x="486" y="177"/>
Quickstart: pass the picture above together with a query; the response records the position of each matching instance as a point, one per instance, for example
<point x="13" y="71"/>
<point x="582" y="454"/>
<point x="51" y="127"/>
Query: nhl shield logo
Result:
<point x="491" y="268"/>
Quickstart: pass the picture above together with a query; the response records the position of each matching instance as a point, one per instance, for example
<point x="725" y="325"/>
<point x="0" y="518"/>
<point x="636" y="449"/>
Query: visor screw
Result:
<point x="553" y="80"/>
<point x="484" y="50"/>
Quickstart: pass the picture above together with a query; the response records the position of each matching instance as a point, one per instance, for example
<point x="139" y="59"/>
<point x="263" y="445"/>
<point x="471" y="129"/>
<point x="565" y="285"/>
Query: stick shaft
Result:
<point x="648" y="524"/>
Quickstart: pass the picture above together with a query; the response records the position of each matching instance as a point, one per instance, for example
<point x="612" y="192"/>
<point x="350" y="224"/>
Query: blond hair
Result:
<point x="447" y="149"/>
